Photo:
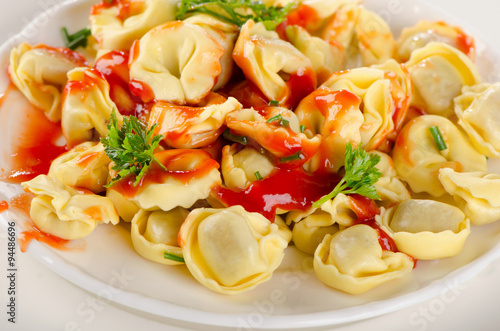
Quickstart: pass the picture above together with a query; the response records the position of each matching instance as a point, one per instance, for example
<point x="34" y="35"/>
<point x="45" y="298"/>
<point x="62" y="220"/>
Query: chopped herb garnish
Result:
<point x="236" y="11"/>
<point x="258" y="175"/>
<point x="274" y="103"/>
<point x="173" y="257"/>
<point x="75" y="40"/>
<point x="293" y="157"/>
<point x="232" y="137"/>
<point x="279" y="118"/>
<point x="131" y="148"/>
<point x="360" y="175"/>
<point x="438" y="138"/>
<point x="302" y="128"/>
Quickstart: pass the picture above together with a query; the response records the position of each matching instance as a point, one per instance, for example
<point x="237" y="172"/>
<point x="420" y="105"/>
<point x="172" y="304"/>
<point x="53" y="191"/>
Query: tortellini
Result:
<point x="353" y="261"/>
<point x="65" y="212"/>
<point x="87" y="106"/>
<point x="326" y="57"/>
<point x="389" y="187"/>
<point x="280" y="70"/>
<point x="84" y="166"/>
<point x="476" y="194"/>
<point x="239" y="167"/>
<point x="360" y="31"/>
<point x="118" y="25"/>
<point x="175" y="62"/>
<point x="426" y="229"/>
<point x="438" y="73"/>
<point x="276" y="129"/>
<point x="39" y="72"/>
<point x="225" y="34"/>
<point x="192" y="127"/>
<point x="230" y="250"/>
<point x="417" y="159"/>
<point x="424" y="32"/>
<point x="477" y="111"/>
<point x="190" y="176"/>
<point x="337" y="117"/>
<point x="154" y="233"/>
<point x="385" y="90"/>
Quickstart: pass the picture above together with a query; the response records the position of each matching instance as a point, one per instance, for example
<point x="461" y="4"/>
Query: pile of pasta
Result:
<point x="238" y="106"/>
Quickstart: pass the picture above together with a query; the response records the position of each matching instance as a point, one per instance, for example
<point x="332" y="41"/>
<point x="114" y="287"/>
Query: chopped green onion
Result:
<point x="279" y="117"/>
<point x="258" y="175"/>
<point x="274" y="103"/>
<point x="293" y="157"/>
<point x="75" y="40"/>
<point x="438" y="138"/>
<point x="302" y="128"/>
<point x="173" y="257"/>
<point x="232" y="137"/>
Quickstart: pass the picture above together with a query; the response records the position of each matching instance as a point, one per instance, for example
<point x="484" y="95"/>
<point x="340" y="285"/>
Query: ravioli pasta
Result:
<point x="218" y="140"/>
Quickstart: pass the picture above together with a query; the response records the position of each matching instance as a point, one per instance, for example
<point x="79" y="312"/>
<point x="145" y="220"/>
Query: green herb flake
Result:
<point x="75" y="40"/>
<point x="360" y="176"/>
<point x="280" y="119"/>
<point x="258" y="175"/>
<point x="131" y="148"/>
<point x="236" y="11"/>
<point x="173" y="257"/>
<point x="293" y="157"/>
<point x="235" y="138"/>
<point x="438" y="138"/>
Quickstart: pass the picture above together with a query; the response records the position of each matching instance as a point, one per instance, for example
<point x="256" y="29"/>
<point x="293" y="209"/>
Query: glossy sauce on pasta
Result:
<point x="4" y="205"/>
<point x="126" y="8"/>
<point x="286" y="189"/>
<point x="33" y="233"/>
<point x="37" y="144"/>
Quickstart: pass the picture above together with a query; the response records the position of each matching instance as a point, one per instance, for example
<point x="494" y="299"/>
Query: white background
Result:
<point x="47" y="302"/>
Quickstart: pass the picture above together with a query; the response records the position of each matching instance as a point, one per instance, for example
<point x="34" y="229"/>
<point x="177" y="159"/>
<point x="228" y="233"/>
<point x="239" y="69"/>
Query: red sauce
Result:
<point x="22" y="203"/>
<point x="247" y="93"/>
<point x="3" y="206"/>
<point x="26" y="237"/>
<point x="384" y="240"/>
<point x="466" y="44"/>
<point x="365" y="208"/>
<point x="36" y="144"/>
<point x="142" y="90"/>
<point x="285" y="189"/>
<point x="114" y="68"/>
<point x="304" y="15"/>
<point x="69" y="54"/>
<point x="126" y="8"/>
<point x="184" y="165"/>
<point x="300" y="84"/>
<point x="401" y="97"/>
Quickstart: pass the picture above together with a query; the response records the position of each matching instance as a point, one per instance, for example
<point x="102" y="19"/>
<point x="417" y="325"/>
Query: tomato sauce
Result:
<point x="33" y="233"/>
<point x="126" y="8"/>
<point x="4" y="205"/>
<point x="300" y="84"/>
<point x="114" y="68"/>
<point x="36" y="144"/>
<point x="285" y="189"/>
<point x="304" y="16"/>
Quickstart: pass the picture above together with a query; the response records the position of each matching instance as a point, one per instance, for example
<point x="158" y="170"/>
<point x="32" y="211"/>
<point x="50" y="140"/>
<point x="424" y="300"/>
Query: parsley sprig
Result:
<point x="236" y="11"/>
<point x="360" y="175"/>
<point x="131" y="148"/>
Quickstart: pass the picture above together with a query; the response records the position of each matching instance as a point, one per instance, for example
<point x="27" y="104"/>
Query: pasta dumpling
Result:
<point x="190" y="176"/>
<point x="175" y="62"/>
<point x="39" y="72"/>
<point x="192" y="127"/>
<point x="426" y="229"/>
<point x="116" y="25"/>
<point x="360" y="31"/>
<point x="476" y="194"/>
<point x="477" y="112"/>
<point x="424" y="32"/>
<point x="277" y="68"/>
<point x="65" y="212"/>
<point x="87" y="106"/>
<point x="155" y="232"/>
<point x="230" y="250"/>
<point x="438" y="73"/>
<point x="353" y="261"/>
<point x="277" y="130"/>
<point x="417" y="159"/>
<point x="84" y="166"/>
<point x="385" y="90"/>
<point x="239" y="166"/>
<point x="336" y="115"/>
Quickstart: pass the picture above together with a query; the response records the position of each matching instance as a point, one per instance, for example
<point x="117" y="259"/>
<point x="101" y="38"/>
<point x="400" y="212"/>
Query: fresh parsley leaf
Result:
<point x="131" y="148"/>
<point x="360" y="176"/>
<point x="236" y="11"/>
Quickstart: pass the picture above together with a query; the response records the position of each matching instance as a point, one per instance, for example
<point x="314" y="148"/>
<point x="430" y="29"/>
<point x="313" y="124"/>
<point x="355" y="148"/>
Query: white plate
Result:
<point x="294" y="298"/>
